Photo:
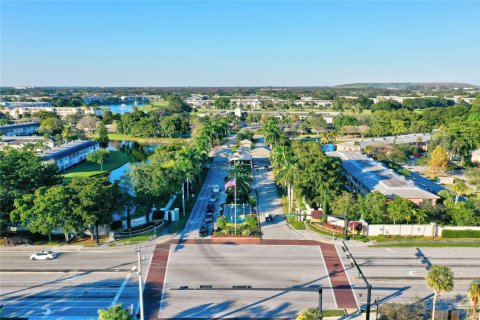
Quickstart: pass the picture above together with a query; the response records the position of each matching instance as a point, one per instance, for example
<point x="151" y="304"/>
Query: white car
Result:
<point x="215" y="188"/>
<point x="43" y="255"/>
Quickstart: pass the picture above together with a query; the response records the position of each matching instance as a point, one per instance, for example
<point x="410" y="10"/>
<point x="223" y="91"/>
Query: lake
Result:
<point x="121" y="108"/>
<point x="136" y="153"/>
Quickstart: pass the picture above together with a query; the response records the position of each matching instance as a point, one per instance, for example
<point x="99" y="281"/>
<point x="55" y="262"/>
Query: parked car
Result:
<point x="209" y="218"/>
<point x="215" y="188"/>
<point x="212" y="198"/>
<point x="211" y="207"/>
<point x="203" y="232"/>
<point x="43" y="255"/>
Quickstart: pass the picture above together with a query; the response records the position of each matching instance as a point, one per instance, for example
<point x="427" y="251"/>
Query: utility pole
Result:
<point x="183" y="198"/>
<point x="320" y="298"/>
<point x="140" y="287"/>
<point x="235" y="204"/>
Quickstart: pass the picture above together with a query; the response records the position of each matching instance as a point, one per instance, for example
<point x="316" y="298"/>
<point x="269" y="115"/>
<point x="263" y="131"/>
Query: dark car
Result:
<point x="203" y="232"/>
<point x="210" y="207"/>
<point x="209" y="218"/>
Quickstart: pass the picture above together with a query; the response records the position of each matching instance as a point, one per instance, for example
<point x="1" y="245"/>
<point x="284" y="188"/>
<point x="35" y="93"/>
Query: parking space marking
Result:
<point x="120" y="290"/>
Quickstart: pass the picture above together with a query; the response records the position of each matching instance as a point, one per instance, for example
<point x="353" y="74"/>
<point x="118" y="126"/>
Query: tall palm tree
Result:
<point x="439" y="279"/>
<point x="459" y="188"/>
<point x="474" y="295"/>
<point x="190" y="163"/>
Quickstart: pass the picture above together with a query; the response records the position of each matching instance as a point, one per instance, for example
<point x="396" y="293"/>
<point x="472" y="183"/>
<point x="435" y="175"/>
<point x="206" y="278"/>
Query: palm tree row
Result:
<point x="285" y="170"/>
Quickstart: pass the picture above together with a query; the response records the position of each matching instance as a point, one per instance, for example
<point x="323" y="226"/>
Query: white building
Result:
<point x="20" y="129"/>
<point x="476" y="156"/>
<point x="69" y="154"/>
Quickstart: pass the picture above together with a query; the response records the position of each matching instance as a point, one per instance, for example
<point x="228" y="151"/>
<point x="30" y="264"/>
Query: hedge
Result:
<point x="461" y="233"/>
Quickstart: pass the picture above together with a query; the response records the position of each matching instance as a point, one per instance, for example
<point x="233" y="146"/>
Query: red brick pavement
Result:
<point x="156" y="276"/>
<point x="152" y="294"/>
<point x="338" y="277"/>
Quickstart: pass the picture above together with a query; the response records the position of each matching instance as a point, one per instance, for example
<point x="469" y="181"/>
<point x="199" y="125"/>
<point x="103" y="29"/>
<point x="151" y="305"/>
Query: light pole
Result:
<point x="320" y="298"/>
<point x="140" y="288"/>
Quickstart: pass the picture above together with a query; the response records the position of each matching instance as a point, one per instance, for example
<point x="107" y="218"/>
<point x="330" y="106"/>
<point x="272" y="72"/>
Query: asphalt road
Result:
<point x="284" y="281"/>
<point x="398" y="274"/>
<point x="216" y="175"/>
<point x="74" y="286"/>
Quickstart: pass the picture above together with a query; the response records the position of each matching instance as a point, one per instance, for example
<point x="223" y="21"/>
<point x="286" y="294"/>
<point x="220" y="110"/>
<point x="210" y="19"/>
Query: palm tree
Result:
<point x="474" y="295"/>
<point x="190" y="163"/>
<point x="439" y="279"/>
<point x="324" y="138"/>
<point x="459" y="188"/>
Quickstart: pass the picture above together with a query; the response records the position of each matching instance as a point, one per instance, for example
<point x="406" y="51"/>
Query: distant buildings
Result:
<point x="420" y="139"/>
<point x="18" y="142"/>
<point x="15" y="112"/>
<point x="21" y="129"/>
<point x="25" y="104"/>
<point x="365" y="175"/>
<point x="69" y="154"/>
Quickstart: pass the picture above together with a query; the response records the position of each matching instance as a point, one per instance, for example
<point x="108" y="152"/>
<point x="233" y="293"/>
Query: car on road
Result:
<point x="209" y="218"/>
<point x="203" y="232"/>
<point x="212" y="198"/>
<point x="211" y="207"/>
<point x="43" y="255"/>
<point x="215" y="188"/>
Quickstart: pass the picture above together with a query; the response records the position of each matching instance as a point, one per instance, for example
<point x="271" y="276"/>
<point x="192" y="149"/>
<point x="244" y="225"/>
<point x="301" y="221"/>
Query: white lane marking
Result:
<point x="328" y="276"/>
<point x="120" y="290"/>
<point x="348" y="278"/>
<point x="412" y="273"/>
<point x="164" y="281"/>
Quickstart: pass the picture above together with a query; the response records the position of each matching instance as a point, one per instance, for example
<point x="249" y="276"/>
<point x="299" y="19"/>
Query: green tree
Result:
<point x="94" y="200"/>
<point x="102" y="133"/>
<point x="45" y="210"/>
<point x="320" y="177"/>
<point x="116" y="312"/>
<point x="22" y="172"/>
<point x="222" y="103"/>
<point x="373" y="207"/>
<point x="474" y="296"/>
<point x="51" y="125"/>
<point x="99" y="156"/>
<point x="459" y="188"/>
<point x="67" y="134"/>
<point x="438" y="159"/>
<point x="344" y="204"/>
<point x="400" y="209"/>
<point x="473" y="177"/>
<point x="439" y="279"/>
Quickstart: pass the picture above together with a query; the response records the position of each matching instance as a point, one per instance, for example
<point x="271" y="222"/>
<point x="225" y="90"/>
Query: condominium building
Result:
<point x="20" y="129"/>
<point x="364" y="175"/>
<point x="69" y="154"/>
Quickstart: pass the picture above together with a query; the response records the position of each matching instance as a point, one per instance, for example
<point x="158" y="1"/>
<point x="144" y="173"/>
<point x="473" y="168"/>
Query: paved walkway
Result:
<point x="269" y="203"/>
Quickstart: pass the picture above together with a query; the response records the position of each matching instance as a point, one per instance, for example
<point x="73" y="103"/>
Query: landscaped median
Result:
<point x="248" y="229"/>
<point x="85" y="169"/>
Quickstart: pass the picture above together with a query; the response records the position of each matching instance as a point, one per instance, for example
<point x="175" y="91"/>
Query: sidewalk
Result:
<point x="164" y="237"/>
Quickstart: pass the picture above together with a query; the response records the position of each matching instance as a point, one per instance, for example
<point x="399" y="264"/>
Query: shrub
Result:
<point x="403" y="311"/>
<point x="310" y="314"/>
<point x="469" y="233"/>
<point x="222" y="222"/>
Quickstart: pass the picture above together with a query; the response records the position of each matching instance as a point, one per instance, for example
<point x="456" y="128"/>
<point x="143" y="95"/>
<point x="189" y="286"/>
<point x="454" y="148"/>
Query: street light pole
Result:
<point x="320" y="298"/>
<point x="140" y="288"/>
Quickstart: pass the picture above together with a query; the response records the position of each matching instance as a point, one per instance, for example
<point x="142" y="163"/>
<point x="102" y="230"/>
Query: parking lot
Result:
<point x="284" y="280"/>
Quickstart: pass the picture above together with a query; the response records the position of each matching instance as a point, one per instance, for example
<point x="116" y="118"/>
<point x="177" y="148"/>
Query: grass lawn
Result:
<point x="431" y="243"/>
<point x="154" y="105"/>
<point x="126" y="137"/>
<point x="85" y="169"/>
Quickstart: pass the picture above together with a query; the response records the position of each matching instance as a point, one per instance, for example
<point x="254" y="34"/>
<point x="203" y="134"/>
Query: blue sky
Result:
<point x="228" y="43"/>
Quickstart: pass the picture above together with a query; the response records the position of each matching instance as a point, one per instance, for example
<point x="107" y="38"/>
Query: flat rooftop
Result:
<point x="401" y="139"/>
<point x="19" y="125"/>
<point x="65" y="149"/>
<point x="376" y="176"/>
